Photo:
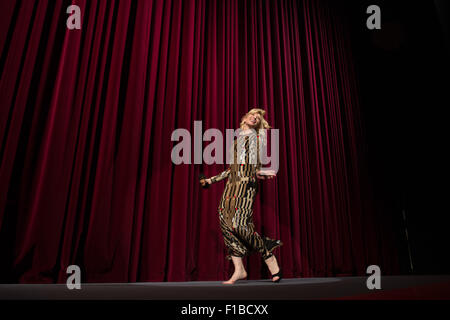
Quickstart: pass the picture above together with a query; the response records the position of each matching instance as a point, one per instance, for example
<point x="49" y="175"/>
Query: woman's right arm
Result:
<point x="219" y="177"/>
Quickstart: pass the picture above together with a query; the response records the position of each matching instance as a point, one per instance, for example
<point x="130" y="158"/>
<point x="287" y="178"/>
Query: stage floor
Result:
<point x="392" y="287"/>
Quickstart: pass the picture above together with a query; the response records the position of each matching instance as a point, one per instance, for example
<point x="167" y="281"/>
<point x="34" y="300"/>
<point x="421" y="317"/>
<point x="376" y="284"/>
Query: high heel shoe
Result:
<point x="279" y="275"/>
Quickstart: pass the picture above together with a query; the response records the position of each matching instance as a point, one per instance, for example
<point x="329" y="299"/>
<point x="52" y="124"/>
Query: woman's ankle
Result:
<point x="240" y="271"/>
<point x="272" y="264"/>
<point x="270" y="259"/>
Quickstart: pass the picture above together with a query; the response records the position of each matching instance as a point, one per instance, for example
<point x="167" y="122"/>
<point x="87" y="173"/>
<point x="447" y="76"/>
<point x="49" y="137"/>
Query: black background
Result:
<point x="403" y="76"/>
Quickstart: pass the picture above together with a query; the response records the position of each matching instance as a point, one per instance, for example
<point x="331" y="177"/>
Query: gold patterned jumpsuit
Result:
<point x="236" y="205"/>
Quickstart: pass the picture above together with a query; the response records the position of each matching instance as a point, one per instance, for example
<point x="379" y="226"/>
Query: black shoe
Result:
<point x="279" y="274"/>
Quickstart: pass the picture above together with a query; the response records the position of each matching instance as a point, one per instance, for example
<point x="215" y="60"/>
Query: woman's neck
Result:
<point x="245" y="129"/>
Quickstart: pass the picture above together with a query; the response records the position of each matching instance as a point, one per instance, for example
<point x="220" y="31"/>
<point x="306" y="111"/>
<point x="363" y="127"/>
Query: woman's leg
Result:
<point x="236" y="248"/>
<point x="239" y="271"/>
<point x="272" y="264"/>
<point x="246" y="231"/>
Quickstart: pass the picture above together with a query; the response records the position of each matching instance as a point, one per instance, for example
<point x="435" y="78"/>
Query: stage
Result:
<point x="436" y="287"/>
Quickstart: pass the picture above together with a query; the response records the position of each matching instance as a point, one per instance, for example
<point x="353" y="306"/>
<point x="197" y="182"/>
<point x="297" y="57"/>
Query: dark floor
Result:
<point x="288" y="289"/>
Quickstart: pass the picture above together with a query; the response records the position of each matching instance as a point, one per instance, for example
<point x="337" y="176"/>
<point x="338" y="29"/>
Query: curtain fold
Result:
<point x="86" y="118"/>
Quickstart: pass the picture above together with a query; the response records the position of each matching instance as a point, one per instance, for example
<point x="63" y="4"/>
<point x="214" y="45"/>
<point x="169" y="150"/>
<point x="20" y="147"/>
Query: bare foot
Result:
<point x="273" y="267"/>
<point x="237" y="275"/>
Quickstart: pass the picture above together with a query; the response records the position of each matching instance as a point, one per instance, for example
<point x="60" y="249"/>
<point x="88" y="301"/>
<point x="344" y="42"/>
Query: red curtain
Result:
<point x="86" y="118"/>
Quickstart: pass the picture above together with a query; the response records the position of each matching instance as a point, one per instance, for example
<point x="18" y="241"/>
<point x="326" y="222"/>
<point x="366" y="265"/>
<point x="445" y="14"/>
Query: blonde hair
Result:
<point x="263" y="124"/>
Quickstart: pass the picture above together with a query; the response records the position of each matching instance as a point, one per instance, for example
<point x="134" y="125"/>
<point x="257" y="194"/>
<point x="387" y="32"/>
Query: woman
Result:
<point x="236" y="205"/>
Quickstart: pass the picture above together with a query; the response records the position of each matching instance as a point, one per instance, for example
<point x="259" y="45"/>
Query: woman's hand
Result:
<point x="264" y="175"/>
<point x="203" y="182"/>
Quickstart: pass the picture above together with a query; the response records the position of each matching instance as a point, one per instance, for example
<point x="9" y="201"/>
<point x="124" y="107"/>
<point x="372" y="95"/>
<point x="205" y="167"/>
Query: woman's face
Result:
<point x="252" y="120"/>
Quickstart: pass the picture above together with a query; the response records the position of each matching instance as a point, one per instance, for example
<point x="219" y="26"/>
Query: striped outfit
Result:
<point x="236" y="205"/>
